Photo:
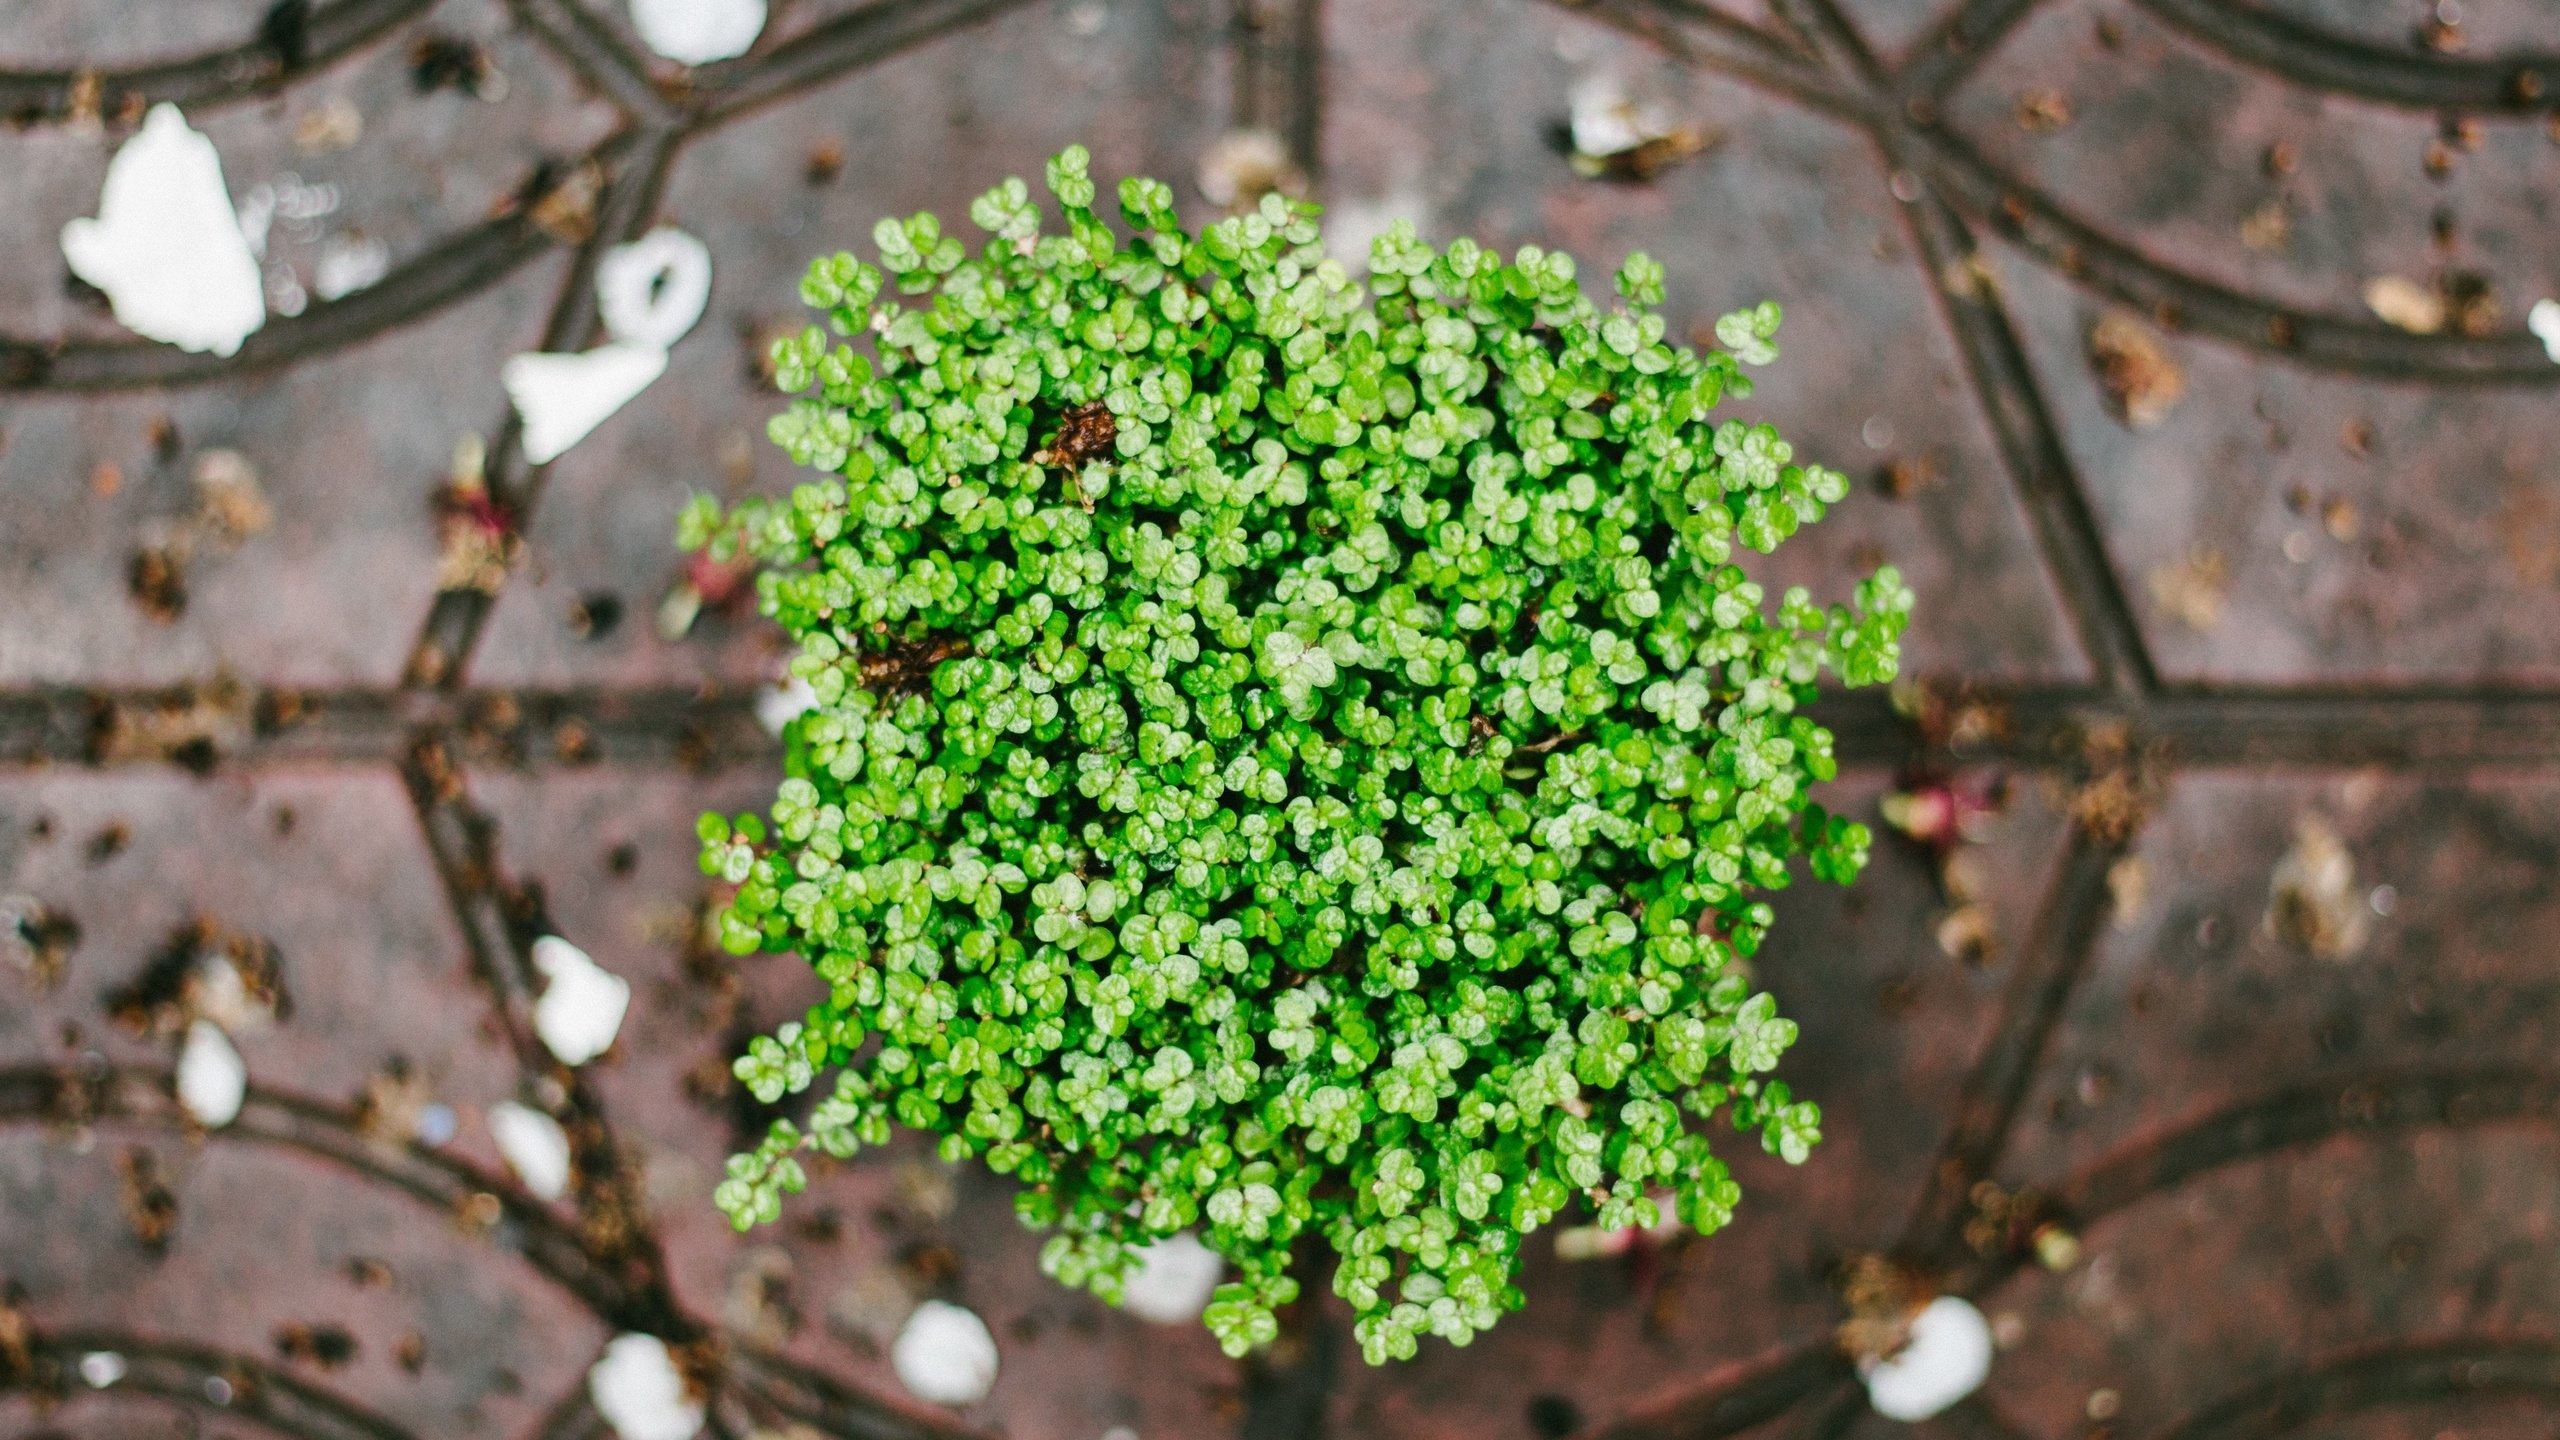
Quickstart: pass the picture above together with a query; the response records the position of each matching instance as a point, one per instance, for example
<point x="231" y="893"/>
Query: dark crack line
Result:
<point x="1279" y="58"/>
<point x="591" y="48"/>
<point x="1701" y="37"/>
<point x="2317" y="59"/>
<point x="2032" y="450"/>
<point x="245" y="71"/>
<point x="2063" y="242"/>
<point x="810" y="1397"/>
<point x="2447" y="728"/>
<point x="1730" y="1401"/>
<point x="2403" y="1373"/>
<point x="453" y="269"/>
<point x="457" y="618"/>
<point x="310" y="1127"/>
<point x="1955" y="46"/>
<point x="850" y="42"/>
<point x="2048" y="968"/>
<point x="1987" y="195"/>
<point x="260" y="1393"/>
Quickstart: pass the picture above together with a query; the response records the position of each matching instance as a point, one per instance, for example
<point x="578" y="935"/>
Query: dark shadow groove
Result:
<point x="245" y="71"/>
<point x="260" y="1394"/>
<point x="451" y="270"/>
<point x="864" y="37"/>
<point x="2318" y="59"/>
<point x="2404" y="1372"/>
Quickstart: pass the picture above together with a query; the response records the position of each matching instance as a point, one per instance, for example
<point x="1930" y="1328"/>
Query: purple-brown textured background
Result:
<point x="2310" y="1193"/>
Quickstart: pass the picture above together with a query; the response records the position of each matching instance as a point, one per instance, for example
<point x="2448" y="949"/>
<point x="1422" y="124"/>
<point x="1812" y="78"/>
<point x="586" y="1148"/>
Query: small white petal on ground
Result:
<point x="101" y="1368"/>
<point x="537" y="1149"/>
<point x="697" y="32"/>
<point x="640" y="1393"/>
<point x="779" y="705"/>
<point x="945" y="1355"/>
<point x="212" y="1080"/>
<point x="581" y="1009"/>
<point x="563" y="398"/>
<point x="2544" y="322"/>
<point x="1173" y="1281"/>
<point x="1948" y="1358"/>
<point x="653" y="290"/>
<point x="166" y="245"/>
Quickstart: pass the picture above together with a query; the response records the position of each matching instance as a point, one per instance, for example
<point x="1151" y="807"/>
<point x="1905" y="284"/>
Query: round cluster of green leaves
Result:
<point x="1325" y="802"/>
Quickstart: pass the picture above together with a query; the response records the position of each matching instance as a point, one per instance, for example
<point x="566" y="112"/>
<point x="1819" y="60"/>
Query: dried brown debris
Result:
<point x="2143" y="383"/>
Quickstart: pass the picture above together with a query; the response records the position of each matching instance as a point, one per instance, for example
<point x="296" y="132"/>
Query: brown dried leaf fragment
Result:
<point x="2192" y="590"/>
<point x="150" y="1206"/>
<point x="2142" y="382"/>
<point x="2043" y="111"/>
<point x="327" y="1346"/>
<point x="2312" y="901"/>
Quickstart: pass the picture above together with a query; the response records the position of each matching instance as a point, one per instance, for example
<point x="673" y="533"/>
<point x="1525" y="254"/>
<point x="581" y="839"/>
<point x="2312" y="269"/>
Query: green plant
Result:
<point x="1288" y="759"/>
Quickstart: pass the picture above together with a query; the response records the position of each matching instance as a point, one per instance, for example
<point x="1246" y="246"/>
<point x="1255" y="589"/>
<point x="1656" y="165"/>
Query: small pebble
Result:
<point x="1173" y="1281"/>
<point x="944" y="1355"/>
<point x="212" y="1080"/>
<point x="437" y="1125"/>
<point x="581" y="1009"/>
<point x="1948" y="1358"/>
<point x="535" y="1147"/>
<point x="640" y="1393"/>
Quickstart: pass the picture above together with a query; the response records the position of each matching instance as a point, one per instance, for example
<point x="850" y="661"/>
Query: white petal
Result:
<point x="1173" y="1281"/>
<point x="166" y="245"/>
<point x="945" y="1355"/>
<point x="1947" y="1359"/>
<point x="212" y="1081"/>
<point x="2544" y="321"/>
<point x="581" y="1009"/>
<point x="101" y="1368"/>
<point x="779" y="705"/>
<point x="639" y="1392"/>
<point x="697" y="32"/>
<point x="537" y="1149"/>
<point x="564" y="397"/>
<point x="653" y="290"/>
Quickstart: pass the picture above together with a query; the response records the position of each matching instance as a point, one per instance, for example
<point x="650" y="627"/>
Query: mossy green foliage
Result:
<point x="1329" y="798"/>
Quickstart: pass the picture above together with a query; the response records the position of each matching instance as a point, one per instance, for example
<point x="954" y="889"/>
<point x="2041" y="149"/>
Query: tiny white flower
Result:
<point x="212" y="1080"/>
<point x="1948" y="1357"/>
<point x="945" y="1355"/>
<point x="639" y="1392"/>
<point x="563" y="398"/>
<point x="535" y="1147"/>
<point x="581" y="1008"/>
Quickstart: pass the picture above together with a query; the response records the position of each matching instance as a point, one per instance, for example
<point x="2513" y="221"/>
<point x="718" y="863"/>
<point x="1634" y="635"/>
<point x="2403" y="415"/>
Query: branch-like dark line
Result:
<point x="591" y="48"/>
<point x="2049" y="967"/>
<point x="1956" y="45"/>
<point x="677" y="727"/>
<point x="259" y="1392"/>
<point x="2408" y="1372"/>
<point x="456" y="619"/>
<point x="2032" y="450"/>
<point x="32" y="1095"/>
<point x="1695" y="34"/>
<point x="2412" y="727"/>
<point x="2302" y="1117"/>
<point x="458" y="266"/>
<point x="815" y="1399"/>
<point x="2318" y="59"/>
<point x="1279" y="60"/>
<point x="1988" y="195"/>
<point x="1733" y="1400"/>
<point x="849" y="42"/>
<point x="254" y="67"/>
